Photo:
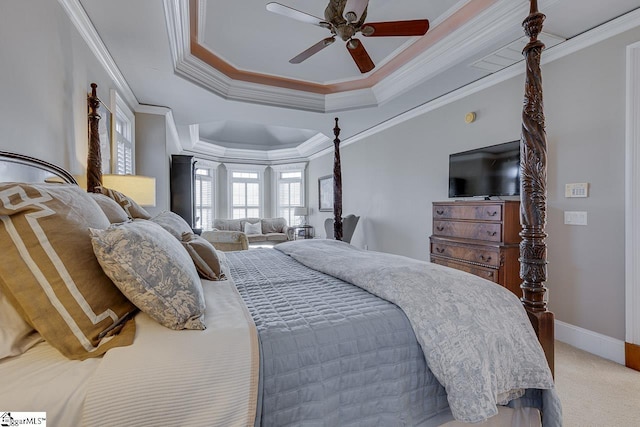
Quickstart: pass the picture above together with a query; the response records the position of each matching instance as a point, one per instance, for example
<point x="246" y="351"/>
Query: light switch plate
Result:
<point x="575" y="218"/>
<point x="580" y="189"/>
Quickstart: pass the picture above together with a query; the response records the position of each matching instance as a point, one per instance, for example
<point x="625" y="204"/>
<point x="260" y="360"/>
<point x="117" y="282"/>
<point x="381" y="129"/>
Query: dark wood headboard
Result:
<point x="20" y="168"/>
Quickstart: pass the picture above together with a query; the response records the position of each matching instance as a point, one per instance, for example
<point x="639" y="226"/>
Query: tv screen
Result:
<point x="485" y="172"/>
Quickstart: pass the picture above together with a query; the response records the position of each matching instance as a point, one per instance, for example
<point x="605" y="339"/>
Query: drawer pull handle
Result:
<point x="494" y="213"/>
<point x="492" y="233"/>
<point x="440" y="250"/>
<point x="440" y="228"/>
<point x="485" y="258"/>
<point x="489" y="273"/>
<point x="439" y="212"/>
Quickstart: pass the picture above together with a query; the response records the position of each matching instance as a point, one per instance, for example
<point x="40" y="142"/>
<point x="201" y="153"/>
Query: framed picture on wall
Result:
<point x="106" y="135"/>
<point x="325" y="193"/>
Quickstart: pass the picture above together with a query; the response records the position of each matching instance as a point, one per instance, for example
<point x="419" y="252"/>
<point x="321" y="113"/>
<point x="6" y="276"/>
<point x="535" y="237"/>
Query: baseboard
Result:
<point x="592" y="342"/>
<point x="632" y="356"/>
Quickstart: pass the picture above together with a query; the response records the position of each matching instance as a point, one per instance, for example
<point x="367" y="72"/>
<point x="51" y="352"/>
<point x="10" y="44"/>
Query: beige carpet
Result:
<point x="596" y="392"/>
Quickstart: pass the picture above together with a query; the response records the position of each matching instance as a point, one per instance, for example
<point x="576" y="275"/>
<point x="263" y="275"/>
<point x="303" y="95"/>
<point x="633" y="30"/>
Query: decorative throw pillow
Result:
<point x="16" y="335"/>
<point x="173" y="223"/>
<point x="273" y="225"/>
<point x="204" y="256"/>
<point x="110" y="207"/>
<point x="49" y="273"/>
<point x="132" y="209"/>
<point x="252" y="228"/>
<point x="153" y="269"/>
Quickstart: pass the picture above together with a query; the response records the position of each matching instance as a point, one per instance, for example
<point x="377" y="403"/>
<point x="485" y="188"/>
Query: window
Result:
<point x="245" y="191"/>
<point x="205" y="195"/>
<point x="123" y="149"/>
<point x="289" y="190"/>
<point x="289" y="195"/>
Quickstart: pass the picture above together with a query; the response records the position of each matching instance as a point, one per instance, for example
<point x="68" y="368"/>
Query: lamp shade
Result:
<point x="142" y="189"/>
<point x="300" y="211"/>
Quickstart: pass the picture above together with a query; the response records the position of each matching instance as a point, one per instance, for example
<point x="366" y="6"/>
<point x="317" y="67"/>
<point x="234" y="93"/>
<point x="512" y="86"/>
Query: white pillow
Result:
<point x="16" y="335"/>
<point x="253" y="228"/>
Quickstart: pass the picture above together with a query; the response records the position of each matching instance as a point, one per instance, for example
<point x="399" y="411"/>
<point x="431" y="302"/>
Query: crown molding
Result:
<point x="196" y="70"/>
<point x="603" y="32"/>
<point x="456" y="47"/>
<point x="301" y="153"/>
<point x="83" y="24"/>
<point x="472" y="37"/>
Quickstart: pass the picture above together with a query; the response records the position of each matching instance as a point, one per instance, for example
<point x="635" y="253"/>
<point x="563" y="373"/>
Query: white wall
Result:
<point x="390" y="179"/>
<point x="152" y="158"/>
<point x="45" y="74"/>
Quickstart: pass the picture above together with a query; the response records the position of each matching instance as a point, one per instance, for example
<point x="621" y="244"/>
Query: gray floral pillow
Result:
<point x="153" y="270"/>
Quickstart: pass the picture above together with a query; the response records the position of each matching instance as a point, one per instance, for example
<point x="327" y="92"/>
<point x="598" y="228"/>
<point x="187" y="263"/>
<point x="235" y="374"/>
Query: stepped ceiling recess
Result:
<point x="223" y="68"/>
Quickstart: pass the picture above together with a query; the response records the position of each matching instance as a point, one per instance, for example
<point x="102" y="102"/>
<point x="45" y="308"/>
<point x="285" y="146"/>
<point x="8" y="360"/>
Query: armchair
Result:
<point x="349" y="224"/>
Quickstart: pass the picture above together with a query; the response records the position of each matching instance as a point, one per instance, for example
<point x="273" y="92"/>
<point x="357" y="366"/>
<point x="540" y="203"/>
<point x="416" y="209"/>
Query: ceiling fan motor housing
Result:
<point x="345" y="18"/>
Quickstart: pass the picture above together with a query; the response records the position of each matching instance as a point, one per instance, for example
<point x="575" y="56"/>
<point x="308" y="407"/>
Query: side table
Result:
<point x="303" y="232"/>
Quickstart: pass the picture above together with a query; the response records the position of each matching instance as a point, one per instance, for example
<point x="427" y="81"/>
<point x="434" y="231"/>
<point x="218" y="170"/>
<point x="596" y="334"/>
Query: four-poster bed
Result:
<point x="315" y="332"/>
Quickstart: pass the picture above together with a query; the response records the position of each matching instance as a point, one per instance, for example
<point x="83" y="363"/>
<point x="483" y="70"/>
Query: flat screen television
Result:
<point x="485" y="172"/>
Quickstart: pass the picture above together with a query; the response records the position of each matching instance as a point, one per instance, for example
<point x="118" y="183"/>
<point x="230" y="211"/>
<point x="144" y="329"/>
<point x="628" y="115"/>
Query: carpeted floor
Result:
<point x="595" y="392"/>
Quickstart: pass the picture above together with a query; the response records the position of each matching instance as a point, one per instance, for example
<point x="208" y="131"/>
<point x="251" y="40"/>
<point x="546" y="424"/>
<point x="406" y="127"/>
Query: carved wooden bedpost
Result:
<point x="337" y="186"/>
<point x="533" y="192"/>
<point x="94" y="158"/>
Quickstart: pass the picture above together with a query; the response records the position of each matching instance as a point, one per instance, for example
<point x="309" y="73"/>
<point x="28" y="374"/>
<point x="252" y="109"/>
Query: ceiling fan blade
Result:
<point x="289" y="12"/>
<point x="312" y="50"/>
<point x="360" y="56"/>
<point x="418" y="27"/>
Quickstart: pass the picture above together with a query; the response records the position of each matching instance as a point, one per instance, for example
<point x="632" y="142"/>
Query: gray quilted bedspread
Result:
<point x="475" y="335"/>
<point x="332" y="354"/>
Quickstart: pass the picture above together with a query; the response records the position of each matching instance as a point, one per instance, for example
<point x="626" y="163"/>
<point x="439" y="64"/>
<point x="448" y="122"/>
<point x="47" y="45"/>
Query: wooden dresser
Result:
<point x="479" y="237"/>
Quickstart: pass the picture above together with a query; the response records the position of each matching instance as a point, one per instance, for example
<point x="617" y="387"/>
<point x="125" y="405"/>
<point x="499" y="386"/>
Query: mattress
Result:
<point x="43" y="380"/>
<point x="166" y="377"/>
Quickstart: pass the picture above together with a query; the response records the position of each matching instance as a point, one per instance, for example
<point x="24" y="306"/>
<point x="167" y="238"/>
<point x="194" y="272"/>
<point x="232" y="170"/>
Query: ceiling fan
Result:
<point x="345" y="18"/>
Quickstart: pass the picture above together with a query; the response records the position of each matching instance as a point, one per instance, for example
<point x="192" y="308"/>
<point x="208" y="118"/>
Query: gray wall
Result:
<point x="152" y="158"/>
<point x="390" y="179"/>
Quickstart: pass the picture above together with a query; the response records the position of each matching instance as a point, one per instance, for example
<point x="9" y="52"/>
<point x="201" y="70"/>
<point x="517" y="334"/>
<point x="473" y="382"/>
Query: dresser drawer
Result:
<point x="469" y="230"/>
<point x="484" y="272"/>
<point x="475" y="254"/>
<point x="484" y="211"/>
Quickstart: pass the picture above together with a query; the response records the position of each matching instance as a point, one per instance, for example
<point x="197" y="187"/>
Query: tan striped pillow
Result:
<point x="204" y="256"/>
<point x="129" y="205"/>
<point x="110" y="207"/>
<point x="49" y="272"/>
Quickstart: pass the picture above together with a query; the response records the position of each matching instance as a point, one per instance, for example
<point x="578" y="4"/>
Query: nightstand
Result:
<point x="302" y="232"/>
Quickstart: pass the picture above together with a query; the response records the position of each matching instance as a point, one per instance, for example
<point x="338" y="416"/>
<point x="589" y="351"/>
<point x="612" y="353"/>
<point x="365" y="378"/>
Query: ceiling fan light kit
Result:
<point x="345" y="18"/>
<point x="353" y="9"/>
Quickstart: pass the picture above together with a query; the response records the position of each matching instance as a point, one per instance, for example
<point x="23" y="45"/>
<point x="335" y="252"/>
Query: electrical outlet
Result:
<point x="575" y="218"/>
<point x="580" y="189"/>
